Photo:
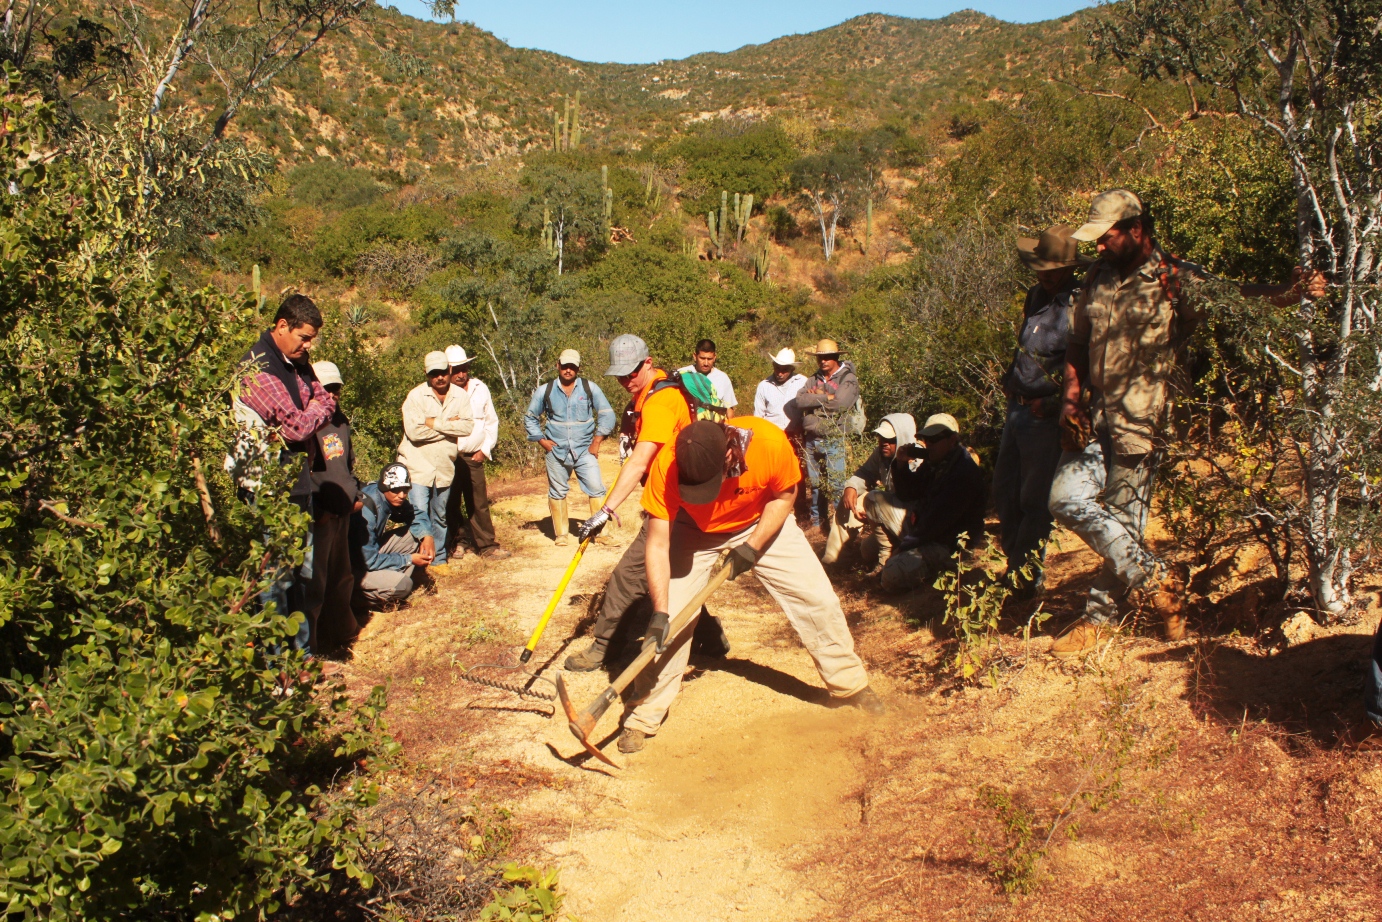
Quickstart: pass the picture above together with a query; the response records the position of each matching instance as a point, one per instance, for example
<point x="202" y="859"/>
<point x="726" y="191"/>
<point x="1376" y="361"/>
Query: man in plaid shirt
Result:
<point x="283" y="400"/>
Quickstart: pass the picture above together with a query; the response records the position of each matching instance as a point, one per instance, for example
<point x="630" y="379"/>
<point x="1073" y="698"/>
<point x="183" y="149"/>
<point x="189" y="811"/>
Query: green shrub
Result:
<point x="157" y="760"/>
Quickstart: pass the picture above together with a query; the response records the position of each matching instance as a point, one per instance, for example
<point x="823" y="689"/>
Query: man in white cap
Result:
<point x="773" y="399"/>
<point x="473" y="451"/>
<point x="328" y="572"/>
<point x="435" y="415"/>
<point x="949" y="510"/>
<point x="1136" y="307"/>
<point x="1030" y="445"/>
<point x="881" y="495"/>
<point x="578" y="418"/>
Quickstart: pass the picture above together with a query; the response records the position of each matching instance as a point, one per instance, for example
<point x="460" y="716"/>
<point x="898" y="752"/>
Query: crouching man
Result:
<point x="390" y="534"/>
<point x="881" y="495"/>
<point x="733" y="486"/>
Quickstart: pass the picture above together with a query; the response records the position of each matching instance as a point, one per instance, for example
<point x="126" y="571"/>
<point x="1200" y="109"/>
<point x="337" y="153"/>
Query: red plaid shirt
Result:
<point x="265" y="394"/>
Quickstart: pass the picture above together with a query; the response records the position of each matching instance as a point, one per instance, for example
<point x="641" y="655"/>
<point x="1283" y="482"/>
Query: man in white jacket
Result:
<point x="435" y="415"/>
<point x="473" y="451"/>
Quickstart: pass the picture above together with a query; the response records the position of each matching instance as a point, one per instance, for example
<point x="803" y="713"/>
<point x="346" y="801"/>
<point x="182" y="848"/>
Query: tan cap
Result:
<point x="569" y="357"/>
<point x="886" y="430"/>
<point x="327" y="373"/>
<point x="436" y="361"/>
<point x="1054" y="249"/>
<point x="938" y="424"/>
<point x="1107" y="209"/>
<point x="826" y="347"/>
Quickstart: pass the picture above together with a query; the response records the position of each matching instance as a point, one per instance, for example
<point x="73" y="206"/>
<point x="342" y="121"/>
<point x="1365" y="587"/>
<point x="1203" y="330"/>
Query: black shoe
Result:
<point x="631" y="741"/>
<point x="588" y="660"/>
<point x="866" y="701"/>
<point x="709" y="638"/>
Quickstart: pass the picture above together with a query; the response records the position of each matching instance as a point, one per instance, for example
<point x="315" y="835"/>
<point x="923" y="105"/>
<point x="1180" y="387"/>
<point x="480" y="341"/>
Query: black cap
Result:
<point x="701" y="461"/>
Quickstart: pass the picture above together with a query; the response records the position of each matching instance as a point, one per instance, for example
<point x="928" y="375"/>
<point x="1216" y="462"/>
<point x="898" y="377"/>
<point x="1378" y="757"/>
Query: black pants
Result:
<point x="627" y="591"/>
<point x="327" y="595"/>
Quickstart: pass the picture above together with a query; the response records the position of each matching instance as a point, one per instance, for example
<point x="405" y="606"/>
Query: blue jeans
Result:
<point x="429" y="508"/>
<point x="586" y="467"/>
<point x="825" y="467"/>
<point x="1027" y="457"/>
<point x="1104" y="498"/>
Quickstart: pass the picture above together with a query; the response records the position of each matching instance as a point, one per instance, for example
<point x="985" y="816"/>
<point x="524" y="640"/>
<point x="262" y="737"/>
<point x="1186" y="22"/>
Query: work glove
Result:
<point x="592" y="526"/>
<point x="742" y="560"/>
<point x="659" y="625"/>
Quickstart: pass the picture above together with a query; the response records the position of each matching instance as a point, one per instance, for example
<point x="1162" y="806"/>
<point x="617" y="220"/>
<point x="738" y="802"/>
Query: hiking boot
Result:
<point x="1167" y="597"/>
<point x="587" y="660"/>
<point x="631" y="741"/>
<point x="561" y="524"/>
<point x="495" y="553"/>
<point x="1083" y="636"/>
<point x="867" y="701"/>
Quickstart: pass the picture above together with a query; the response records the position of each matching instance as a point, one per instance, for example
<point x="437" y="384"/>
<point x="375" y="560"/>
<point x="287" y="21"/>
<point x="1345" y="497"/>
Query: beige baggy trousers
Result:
<point x="790" y="571"/>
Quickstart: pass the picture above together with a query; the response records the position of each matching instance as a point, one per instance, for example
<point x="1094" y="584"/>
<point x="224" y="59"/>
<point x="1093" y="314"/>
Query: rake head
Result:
<point x="510" y="679"/>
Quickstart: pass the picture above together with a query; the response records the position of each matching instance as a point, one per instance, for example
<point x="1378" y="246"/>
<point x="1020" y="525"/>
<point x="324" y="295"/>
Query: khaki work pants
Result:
<point x="793" y="576"/>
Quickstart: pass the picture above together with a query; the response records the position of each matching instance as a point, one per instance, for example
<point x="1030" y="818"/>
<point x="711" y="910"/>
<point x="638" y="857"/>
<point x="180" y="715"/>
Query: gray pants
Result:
<point x="1027" y="457"/>
<point x="386" y="587"/>
<point x="915" y="568"/>
<point x="1104" y="498"/>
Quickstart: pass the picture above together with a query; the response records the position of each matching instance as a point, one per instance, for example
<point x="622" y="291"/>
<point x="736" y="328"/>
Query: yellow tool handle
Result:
<point x="552" y="605"/>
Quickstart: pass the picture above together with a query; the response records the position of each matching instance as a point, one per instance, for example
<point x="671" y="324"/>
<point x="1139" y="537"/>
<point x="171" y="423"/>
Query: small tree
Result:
<point x="831" y="183"/>
<point x="567" y="206"/>
<point x="1307" y="74"/>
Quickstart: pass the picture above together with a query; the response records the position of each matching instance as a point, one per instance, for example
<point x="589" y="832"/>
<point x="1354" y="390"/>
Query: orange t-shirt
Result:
<point x="770" y="467"/>
<point x="661" y="415"/>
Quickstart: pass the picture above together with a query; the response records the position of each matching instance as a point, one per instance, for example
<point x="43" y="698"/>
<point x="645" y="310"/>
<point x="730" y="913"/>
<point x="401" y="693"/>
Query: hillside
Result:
<point x="397" y="90"/>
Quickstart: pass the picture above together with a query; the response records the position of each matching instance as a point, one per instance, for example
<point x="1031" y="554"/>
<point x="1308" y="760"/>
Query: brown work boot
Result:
<point x="1083" y="636"/>
<point x="495" y="552"/>
<point x="631" y="741"/>
<point x="866" y="700"/>
<point x="587" y="660"/>
<point x="1167" y="597"/>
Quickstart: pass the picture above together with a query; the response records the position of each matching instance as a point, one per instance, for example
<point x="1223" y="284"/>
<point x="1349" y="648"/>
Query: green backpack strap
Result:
<point x="699" y="391"/>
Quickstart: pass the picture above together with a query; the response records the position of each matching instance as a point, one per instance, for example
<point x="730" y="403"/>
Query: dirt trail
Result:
<point x="750" y="773"/>
<point x="756" y="800"/>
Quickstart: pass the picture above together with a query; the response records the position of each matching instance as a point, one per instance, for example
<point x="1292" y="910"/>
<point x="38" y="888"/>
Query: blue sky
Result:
<point x="651" y="30"/>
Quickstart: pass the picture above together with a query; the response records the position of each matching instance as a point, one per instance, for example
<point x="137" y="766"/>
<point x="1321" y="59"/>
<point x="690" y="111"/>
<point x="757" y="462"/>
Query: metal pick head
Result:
<point x="574" y="723"/>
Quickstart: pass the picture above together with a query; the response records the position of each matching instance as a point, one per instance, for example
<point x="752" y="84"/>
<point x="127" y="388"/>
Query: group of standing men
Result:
<point x="367" y="542"/>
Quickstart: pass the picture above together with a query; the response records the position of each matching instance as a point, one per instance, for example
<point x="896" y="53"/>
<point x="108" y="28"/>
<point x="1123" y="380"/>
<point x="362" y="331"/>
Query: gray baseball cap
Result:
<point x="626" y="353"/>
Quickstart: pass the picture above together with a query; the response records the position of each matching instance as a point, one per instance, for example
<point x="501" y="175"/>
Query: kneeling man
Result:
<point x="732" y="486"/>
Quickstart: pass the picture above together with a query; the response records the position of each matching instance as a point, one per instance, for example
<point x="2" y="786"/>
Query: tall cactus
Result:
<point x="868" y="225"/>
<point x="566" y="124"/>
<point x="576" y="121"/>
<point x="549" y="242"/>
<point x="760" y="263"/>
<point x="743" y="207"/>
<point x="609" y="193"/>
<point x="714" y="233"/>
<point x="556" y="130"/>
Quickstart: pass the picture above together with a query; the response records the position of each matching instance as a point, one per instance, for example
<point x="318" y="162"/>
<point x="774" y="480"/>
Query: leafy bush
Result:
<point x="157" y="759"/>
<point x="754" y="159"/>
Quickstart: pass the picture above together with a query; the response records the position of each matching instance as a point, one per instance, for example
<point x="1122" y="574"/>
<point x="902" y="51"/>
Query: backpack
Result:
<point x="547" y="399"/>
<point x="701" y="397"/>
<point x="854" y="421"/>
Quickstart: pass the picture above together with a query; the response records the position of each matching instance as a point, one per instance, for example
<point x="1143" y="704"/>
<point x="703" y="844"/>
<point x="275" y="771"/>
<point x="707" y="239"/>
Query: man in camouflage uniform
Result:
<point x="1135" y="308"/>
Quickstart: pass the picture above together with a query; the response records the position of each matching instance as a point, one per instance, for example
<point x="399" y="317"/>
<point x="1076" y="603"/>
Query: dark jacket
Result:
<point x="370" y="528"/>
<point x="1038" y="364"/>
<point x="831" y="396"/>
<point x="952" y="504"/>
<point x="333" y="468"/>
<point x="902" y="474"/>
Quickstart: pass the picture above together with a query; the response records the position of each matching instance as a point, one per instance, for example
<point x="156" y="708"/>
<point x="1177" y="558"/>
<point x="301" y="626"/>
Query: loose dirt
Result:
<point x="1203" y="780"/>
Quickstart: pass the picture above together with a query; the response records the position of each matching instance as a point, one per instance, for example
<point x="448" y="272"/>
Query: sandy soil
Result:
<point x="1223" y="790"/>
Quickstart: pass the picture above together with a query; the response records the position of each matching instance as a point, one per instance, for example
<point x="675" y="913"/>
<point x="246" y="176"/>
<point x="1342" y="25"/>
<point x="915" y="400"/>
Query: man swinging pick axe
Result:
<point x="732" y="486"/>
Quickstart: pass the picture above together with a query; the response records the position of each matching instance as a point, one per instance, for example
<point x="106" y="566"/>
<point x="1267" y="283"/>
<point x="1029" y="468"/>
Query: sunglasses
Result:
<point x="569" y="367"/>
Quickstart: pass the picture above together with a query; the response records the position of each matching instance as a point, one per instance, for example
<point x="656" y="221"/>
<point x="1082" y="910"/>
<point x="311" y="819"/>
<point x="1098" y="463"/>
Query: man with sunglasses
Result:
<point x="578" y="418"/>
<point x="949" y="511"/>
<point x="652" y="419"/>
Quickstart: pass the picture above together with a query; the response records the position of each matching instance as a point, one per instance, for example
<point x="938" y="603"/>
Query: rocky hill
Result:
<point x="396" y="91"/>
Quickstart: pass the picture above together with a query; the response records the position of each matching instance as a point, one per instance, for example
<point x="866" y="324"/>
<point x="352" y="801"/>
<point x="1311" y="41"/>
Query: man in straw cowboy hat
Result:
<point x="1030" y="446"/>
<point x="1138" y="303"/>
<point x="829" y="406"/>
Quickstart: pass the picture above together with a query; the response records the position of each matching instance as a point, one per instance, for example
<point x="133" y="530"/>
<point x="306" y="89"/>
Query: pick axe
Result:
<point x="583" y="724"/>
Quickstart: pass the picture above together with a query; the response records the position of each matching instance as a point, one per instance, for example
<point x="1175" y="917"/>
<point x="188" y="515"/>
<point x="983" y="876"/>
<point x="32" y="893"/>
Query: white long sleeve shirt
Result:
<point x="770" y="400"/>
<point x="486" y="432"/>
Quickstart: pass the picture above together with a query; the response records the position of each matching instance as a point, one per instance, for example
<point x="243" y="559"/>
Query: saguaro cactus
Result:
<point x="868" y="225"/>
<point x="576" y="121"/>
<point x="760" y="263"/>
<point x="714" y="233"/>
